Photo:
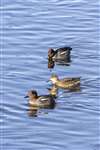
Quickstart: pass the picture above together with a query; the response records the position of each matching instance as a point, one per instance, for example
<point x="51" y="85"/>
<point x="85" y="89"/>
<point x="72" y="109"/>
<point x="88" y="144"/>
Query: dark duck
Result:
<point x="60" y="54"/>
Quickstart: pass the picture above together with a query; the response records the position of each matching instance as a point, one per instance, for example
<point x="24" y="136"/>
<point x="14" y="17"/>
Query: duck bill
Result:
<point x="26" y="96"/>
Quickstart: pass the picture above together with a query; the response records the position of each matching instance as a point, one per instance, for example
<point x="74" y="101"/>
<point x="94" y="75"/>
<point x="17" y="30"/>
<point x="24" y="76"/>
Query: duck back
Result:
<point x="46" y="101"/>
<point x="62" y="54"/>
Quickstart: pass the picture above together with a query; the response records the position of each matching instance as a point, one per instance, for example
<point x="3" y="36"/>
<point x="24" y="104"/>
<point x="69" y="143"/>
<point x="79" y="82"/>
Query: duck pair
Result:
<point x="49" y="100"/>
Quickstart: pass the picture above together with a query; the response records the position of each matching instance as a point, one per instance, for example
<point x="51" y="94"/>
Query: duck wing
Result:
<point x="63" y="53"/>
<point x="71" y="79"/>
<point x="44" y="98"/>
<point x="47" y="100"/>
<point x="64" y="49"/>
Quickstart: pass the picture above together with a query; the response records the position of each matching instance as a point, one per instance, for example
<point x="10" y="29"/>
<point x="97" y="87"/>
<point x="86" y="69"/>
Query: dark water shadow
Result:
<point x="34" y="111"/>
<point x="52" y="63"/>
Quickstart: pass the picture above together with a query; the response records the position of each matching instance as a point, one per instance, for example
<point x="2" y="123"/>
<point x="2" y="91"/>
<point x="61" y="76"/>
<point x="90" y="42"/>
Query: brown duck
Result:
<point x="40" y="101"/>
<point x="66" y="83"/>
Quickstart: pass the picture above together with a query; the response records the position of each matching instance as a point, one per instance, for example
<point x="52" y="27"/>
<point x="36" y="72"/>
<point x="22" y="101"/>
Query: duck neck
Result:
<point x="34" y="97"/>
<point x="56" y="81"/>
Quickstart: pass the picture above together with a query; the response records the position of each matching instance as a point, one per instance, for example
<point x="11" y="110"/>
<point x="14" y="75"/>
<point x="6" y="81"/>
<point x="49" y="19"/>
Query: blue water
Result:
<point x="28" y="29"/>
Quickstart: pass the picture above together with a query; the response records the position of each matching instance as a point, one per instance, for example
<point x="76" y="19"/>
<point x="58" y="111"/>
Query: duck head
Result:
<point x="51" y="53"/>
<point x="54" y="78"/>
<point x="31" y="94"/>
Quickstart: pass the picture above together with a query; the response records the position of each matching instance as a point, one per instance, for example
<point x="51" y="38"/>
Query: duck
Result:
<point x="53" y="91"/>
<point x="40" y="101"/>
<point x="66" y="83"/>
<point x="59" y="54"/>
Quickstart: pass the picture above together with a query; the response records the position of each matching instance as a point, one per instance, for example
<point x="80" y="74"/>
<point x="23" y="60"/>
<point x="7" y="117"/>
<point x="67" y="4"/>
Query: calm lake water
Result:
<point x="29" y="28"/>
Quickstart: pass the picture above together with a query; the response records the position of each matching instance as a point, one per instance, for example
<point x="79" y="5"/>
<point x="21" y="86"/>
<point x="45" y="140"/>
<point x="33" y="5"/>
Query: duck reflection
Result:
<point x="51" y="62"/>
<point x="34" y="111"/>
<point x="53" y="91"/>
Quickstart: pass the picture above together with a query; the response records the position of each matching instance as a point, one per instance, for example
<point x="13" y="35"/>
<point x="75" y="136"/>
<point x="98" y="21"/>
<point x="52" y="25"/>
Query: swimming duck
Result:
<point x="53" y="91"/>
<point x="59" y="54"/>
<point x="66" y="83"/>
<point x="40" y="101"/>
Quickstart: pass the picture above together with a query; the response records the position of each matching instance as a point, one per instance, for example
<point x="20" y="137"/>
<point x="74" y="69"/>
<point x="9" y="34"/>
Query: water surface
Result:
<point x="29" y="28"/>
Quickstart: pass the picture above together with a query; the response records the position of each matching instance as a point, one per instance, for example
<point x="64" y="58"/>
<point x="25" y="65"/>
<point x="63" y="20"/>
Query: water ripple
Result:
<point x="29" y="28"/>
